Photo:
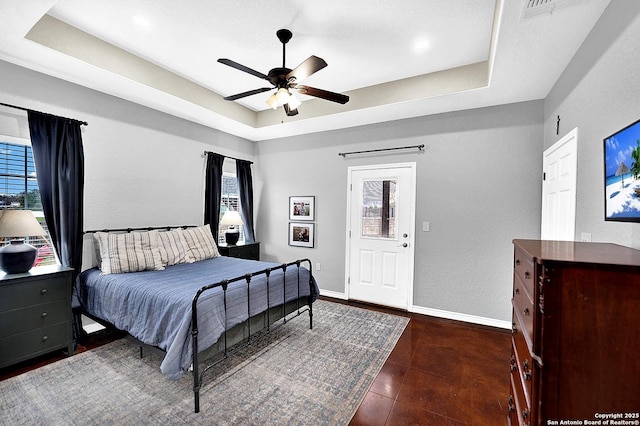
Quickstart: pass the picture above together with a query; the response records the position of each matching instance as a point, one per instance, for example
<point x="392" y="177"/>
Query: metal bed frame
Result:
<point x="242" y="334"/>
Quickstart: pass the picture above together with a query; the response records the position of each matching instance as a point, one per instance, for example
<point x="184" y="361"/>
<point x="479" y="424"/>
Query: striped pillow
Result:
<point x="173" y="247"/>
<point x="130" y="252"/>
<point x="201" y="243"/>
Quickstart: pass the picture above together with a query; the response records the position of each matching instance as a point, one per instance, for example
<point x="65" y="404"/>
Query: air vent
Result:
<point x="534" y="8"/>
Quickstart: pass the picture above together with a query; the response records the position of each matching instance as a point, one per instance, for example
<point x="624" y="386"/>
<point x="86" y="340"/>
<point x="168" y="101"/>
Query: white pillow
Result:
<point x="129" y="252"/>
<point x="200" y="242"/>
<point x="173" y="247"/>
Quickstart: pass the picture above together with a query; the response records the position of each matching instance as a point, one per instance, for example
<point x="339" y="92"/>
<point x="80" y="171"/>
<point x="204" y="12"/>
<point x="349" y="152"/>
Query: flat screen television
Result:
<point x="622" y="175"/>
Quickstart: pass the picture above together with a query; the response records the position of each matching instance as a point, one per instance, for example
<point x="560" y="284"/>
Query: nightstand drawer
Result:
<point x="22" y="346"/>
<point x="249" y="251"/>
<point x="32" y="292"/>
<point x="37" y="316"/>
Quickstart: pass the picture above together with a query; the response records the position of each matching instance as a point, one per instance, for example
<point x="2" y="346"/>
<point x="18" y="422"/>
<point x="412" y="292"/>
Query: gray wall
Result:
<point x="142" y="167"/>
<point x="599" y="93"/>
<point x="478" y="186"/>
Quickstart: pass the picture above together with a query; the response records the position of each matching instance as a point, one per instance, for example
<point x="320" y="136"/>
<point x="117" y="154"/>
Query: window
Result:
<point x="378" y="209"/>
<point x="230" y="201"/>
<point x="19" y="190"/>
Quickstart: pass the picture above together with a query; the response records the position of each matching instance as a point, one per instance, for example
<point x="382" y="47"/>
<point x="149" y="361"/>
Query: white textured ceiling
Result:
<point x="394" y="59"/>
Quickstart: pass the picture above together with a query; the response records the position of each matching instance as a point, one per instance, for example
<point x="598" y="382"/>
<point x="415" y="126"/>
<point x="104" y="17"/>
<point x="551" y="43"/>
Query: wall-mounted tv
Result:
<point x="622" y="174"/>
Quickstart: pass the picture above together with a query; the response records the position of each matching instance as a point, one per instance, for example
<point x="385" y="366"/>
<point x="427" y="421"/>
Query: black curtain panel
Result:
<point x="245" y="188"/>
<point x="213" y="191"/>
<point x="59" y="159"/>
<point x="58" y="155"/>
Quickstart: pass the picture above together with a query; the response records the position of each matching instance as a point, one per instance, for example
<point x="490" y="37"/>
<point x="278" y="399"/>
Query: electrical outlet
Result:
<point x="426" y="226"/>
<point x="585" y="237"/>
<point x="317" y="266"/>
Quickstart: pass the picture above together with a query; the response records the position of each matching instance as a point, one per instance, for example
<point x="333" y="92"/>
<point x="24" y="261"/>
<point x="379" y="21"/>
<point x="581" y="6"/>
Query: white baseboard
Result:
<point x="457" y="316"/>
<point x="333" y="294"/>
<point x="473" y="319"/>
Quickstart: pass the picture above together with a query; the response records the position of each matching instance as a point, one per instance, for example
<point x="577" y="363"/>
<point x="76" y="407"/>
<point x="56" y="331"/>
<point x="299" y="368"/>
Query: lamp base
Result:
<point x="17" y="257"/>
<point x="231" y="237"/>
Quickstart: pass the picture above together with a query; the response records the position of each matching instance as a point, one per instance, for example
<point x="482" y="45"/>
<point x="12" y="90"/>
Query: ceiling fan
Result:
<point x="284" y="80"/>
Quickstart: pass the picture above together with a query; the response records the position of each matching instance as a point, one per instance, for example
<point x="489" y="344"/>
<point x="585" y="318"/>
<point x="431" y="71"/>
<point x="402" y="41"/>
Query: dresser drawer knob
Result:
<point x="527" y="275"/>
<point x="44" y="338"/>
<point x="44" y="315"/>
<point x="43" y="291"/>
<point x="526" y="311"/>
<point x="512" y="407"/>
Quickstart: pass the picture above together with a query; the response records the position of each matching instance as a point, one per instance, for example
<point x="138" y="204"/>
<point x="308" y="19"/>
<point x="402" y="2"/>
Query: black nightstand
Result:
<point x="35" y="313"/>
<point x="249" y="251"/>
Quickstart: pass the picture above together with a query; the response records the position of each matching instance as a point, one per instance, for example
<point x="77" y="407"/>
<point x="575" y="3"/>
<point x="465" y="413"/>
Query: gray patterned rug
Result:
<point x="297" y="376"/>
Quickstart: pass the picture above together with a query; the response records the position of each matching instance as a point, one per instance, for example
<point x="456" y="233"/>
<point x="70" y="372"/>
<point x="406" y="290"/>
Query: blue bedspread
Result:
<point x="155" y="306"/>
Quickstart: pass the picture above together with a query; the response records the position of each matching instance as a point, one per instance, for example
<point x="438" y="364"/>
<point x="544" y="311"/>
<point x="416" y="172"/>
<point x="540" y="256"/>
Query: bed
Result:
<point x="189" y="305"/>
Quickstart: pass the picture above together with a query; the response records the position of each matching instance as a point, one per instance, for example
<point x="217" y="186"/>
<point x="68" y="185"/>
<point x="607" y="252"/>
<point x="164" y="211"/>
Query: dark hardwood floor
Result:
<point x="441" y="372"/>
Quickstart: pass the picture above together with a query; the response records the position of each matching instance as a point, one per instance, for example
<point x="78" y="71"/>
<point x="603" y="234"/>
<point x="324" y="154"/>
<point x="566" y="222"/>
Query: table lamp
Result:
<point x="231" y="218"/>
<point x="17" y="256"/>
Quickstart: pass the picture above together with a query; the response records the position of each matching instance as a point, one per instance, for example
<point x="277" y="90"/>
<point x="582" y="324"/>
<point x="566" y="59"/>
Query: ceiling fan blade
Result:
<point x="290" y="112"/>
<point x="245" y="94"/>
<point x="323" y="94"/>
<point x="240" y="67"/>
<point x="311" y="65"/>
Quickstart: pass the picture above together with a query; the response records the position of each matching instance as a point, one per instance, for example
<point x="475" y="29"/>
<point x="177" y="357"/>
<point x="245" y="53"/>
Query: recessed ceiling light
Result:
<point x="142" y="21"/>
<point x="421" y="44"/>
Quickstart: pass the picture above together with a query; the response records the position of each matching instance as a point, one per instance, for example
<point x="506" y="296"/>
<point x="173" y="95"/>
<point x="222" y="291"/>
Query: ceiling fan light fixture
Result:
<point x="294" y="102"/>
<point x="273" y="101"/>
<point x="283" y="96"/>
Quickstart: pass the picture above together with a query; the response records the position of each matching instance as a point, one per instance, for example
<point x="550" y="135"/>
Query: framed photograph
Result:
<point x="301" y="234"/>
<point x="302" y="208"/>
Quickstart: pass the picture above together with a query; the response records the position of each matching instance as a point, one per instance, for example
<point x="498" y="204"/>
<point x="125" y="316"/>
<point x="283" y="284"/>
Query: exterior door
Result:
<point x="559" y="165"/>
<point x="380" y="234"/>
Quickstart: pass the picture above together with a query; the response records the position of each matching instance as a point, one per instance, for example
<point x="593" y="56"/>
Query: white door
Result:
<point x="559" y="165"/>
<point x="380" y="234"/>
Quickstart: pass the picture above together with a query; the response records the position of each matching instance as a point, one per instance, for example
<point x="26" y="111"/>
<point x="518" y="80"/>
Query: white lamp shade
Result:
<point x="273" y="101"/>
<point x="294" y="102"/>
<point x="231" y="217"/>
<point x="283" y="95"/>
<point x="19" y="223"/>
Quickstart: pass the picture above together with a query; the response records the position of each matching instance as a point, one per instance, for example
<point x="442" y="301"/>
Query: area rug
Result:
<point x="296" y="376"/>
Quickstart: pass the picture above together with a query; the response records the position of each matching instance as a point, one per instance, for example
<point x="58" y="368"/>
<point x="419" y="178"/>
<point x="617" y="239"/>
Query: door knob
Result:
<point x="404" y="245"/>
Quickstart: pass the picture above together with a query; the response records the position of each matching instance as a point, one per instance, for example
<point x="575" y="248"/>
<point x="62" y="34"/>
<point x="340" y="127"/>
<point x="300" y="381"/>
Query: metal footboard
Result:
<point x="298" y="309"/>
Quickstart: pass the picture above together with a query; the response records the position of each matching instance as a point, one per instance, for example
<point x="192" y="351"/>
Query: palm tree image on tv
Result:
<point x="635" y="166"/>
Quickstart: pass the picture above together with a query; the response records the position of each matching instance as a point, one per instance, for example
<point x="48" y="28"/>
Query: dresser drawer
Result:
<point x="524" y="311"/>
<point x="519" y="411"/>
<point x="22" y="346"/>
<point x="523" y="368"/>
<point x="524" y="269"/>
<point x="33" y="292"/>
<point x="36" y="316"/>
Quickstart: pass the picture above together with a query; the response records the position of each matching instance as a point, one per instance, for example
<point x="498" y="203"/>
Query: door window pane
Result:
<point x="378" y="218"/>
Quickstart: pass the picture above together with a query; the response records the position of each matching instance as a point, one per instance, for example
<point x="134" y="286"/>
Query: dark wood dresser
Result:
<point x="576" y="333"/>
<point x="35" y="313"/>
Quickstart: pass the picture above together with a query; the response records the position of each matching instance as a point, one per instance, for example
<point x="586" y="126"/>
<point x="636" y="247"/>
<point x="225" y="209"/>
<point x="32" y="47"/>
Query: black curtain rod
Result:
<point x="226" y="156"/>
<point x="344" y="154"/>
<point x="84" y="123"/>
